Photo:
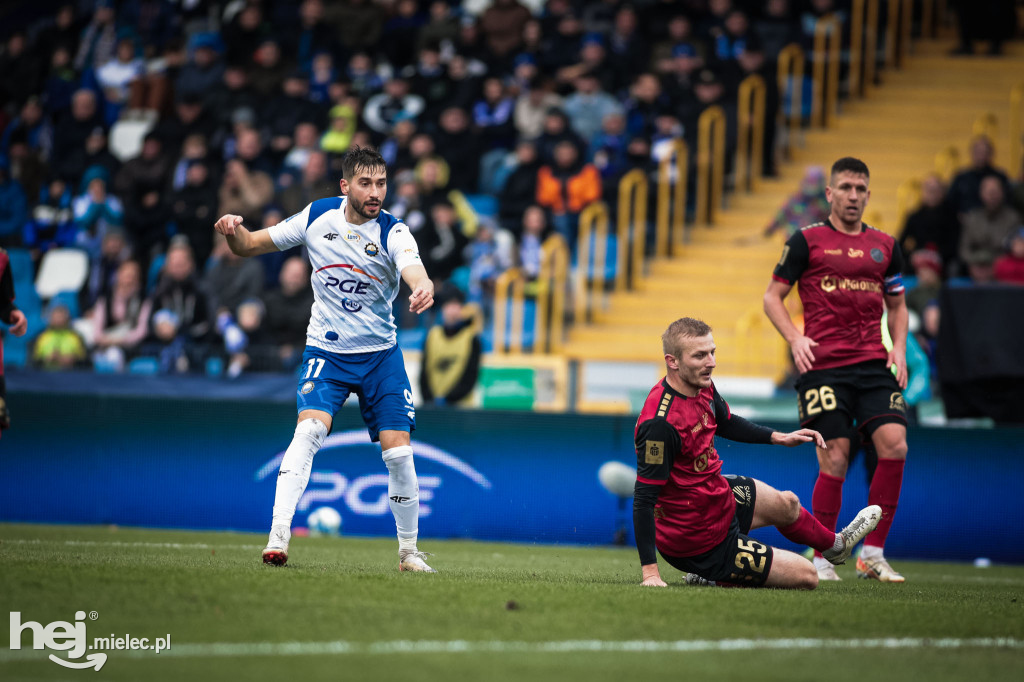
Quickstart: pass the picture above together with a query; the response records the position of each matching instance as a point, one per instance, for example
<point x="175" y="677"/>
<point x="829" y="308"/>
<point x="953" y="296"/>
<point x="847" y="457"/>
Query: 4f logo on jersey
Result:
<point x="330" y="236"/>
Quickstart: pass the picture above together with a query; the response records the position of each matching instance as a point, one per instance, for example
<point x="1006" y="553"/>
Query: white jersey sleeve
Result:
<point x="291" y="231"/>
<point x="402" y="247"/>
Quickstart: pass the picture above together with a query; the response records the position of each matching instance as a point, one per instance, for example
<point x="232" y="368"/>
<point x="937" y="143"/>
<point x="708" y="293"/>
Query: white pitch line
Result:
<point x="114" y="543"/>
<point x="242" y="649"/>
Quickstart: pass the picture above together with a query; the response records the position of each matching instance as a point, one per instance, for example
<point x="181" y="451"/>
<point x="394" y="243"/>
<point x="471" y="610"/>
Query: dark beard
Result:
<point x="361" y="209"/>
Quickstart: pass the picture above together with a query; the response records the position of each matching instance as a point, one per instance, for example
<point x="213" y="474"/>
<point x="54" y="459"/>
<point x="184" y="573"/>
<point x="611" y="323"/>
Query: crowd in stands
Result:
<point x="127" y="128"/>
<point x="969" y="232"/>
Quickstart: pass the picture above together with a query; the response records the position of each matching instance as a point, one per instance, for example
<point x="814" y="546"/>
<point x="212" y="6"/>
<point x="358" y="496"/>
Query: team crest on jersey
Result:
<point x="371" y="249"/>
<point x="306" y="387"/>
<point x="877" y="255"/>
<point x="655" y="452"/>
<point x="896" y="402"/>
<point x="351" y="237"/>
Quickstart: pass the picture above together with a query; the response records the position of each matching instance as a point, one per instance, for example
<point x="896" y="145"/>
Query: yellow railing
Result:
<point x="827" y="36"/>
<point x="897" y="32"/>
<point x="551" y="281"/>
<point x="509" y="286"/>
<point x="710" y="163"/>
<point x="1015" y="160"/>
<point x="863" y="43"/>
<point x="750" y="140"/>
<point x="927" y="18"/>
<point x="791" y="76"/>
<point x="856" y="48"/>
<point x="588" y="294"/>
<point x="870" y="45"/>
<point x="631" y="242"/>
<point x="671" y="193"/>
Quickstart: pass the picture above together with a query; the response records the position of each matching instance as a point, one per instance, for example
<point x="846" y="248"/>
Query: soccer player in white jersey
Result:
<point x="357" y="252"/>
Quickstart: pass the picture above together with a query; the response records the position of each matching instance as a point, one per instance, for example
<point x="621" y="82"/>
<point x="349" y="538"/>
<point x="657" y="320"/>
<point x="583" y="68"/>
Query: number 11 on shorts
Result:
<point x="319" y="366"/>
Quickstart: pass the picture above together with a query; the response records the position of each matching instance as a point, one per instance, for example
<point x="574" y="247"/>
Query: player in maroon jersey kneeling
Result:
<point x="697" y="518"/>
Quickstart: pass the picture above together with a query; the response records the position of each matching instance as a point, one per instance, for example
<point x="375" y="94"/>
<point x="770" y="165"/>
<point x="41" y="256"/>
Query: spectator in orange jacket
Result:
<point x="566" y="187"/>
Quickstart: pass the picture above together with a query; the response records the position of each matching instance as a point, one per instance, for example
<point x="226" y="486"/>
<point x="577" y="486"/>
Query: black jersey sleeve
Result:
<point x="795" y="256"/>
<point x="645" y="496"/>
<point x="894" y="273"/>
<point x="734" y="427"/>
<point x="657" y="444"/>
<point x="6" y="293"/>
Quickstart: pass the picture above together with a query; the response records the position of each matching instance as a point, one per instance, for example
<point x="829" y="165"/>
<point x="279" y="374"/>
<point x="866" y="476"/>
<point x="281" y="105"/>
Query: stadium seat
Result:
<point x="68" y="299"/>
<point x="484" y="205"/>
<point x="22" y="269"/>
<point x="62" y="270"/>
<point x="145" y="365"/>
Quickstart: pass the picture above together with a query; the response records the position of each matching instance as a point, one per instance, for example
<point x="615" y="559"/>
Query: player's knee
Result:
<point x="808" y="579"/>
<point x="397" y="456"/>
<point x="894" y="450"/>
<point x="790" y="506"/>
<point x="313" y="430"/>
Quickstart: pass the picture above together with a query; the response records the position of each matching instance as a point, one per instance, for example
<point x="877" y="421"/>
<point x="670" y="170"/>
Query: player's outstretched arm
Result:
<point x="422" y="288"/>
<point x="798" y="437"/>
<point x="776" y="311"/>
<point x="241" y="240"/>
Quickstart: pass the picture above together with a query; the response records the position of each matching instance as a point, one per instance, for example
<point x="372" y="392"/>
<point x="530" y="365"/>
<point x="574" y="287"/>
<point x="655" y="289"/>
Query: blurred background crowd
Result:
<point x="127" y="128"/>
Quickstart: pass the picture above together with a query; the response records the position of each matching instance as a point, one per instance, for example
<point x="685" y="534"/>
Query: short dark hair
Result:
<point x="361" y="158"/>
<point x="684" y="326"/>
<point x="848" y="164"/>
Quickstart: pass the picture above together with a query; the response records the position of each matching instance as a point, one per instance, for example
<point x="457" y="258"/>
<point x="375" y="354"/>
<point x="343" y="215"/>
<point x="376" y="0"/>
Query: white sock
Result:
<point x="295" y="468"/>
<point x="403" y="495"/>
<point x="838" y="544"/>
<point x="821" y="562"/>
<point x="871" y="552"/>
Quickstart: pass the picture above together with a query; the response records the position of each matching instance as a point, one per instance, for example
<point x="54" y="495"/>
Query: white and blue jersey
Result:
<point x="356" y="272"/>
<point x="350" y="341"/>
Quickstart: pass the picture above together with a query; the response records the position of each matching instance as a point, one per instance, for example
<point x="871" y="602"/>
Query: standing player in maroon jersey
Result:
<point x="849" y="273"/>
<point x="696" y="517"/>
<point x="9" y="314"/>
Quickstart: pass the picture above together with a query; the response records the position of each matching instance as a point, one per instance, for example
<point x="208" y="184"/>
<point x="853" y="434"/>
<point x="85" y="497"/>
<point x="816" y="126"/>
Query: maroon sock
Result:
<point x="809" y="531"/>
<point x="885" y="492"/>
<point x="827" y="500"/>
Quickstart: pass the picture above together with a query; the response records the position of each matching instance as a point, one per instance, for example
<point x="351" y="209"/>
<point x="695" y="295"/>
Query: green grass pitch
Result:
<point x="342" y="611"/>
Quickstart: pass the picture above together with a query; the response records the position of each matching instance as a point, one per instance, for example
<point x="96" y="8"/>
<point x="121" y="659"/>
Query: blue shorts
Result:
<point x="385" y="398"/>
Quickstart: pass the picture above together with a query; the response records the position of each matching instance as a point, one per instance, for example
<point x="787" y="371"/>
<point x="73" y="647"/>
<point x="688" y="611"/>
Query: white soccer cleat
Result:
<point x="276" y="552"/>
<point x="863" y="523"/>
<point x="877" y="569"/>
<point x="827" y="572"/>
<point x="413" y="561"/>
<point x="697" y="581"/>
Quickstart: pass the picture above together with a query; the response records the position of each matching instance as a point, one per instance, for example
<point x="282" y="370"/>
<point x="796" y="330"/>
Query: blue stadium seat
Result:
<point x="144" y="365"/>
<point x="485" y="205"/>
<point x="22" y="269"/>
<point x="69" y="299"/>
